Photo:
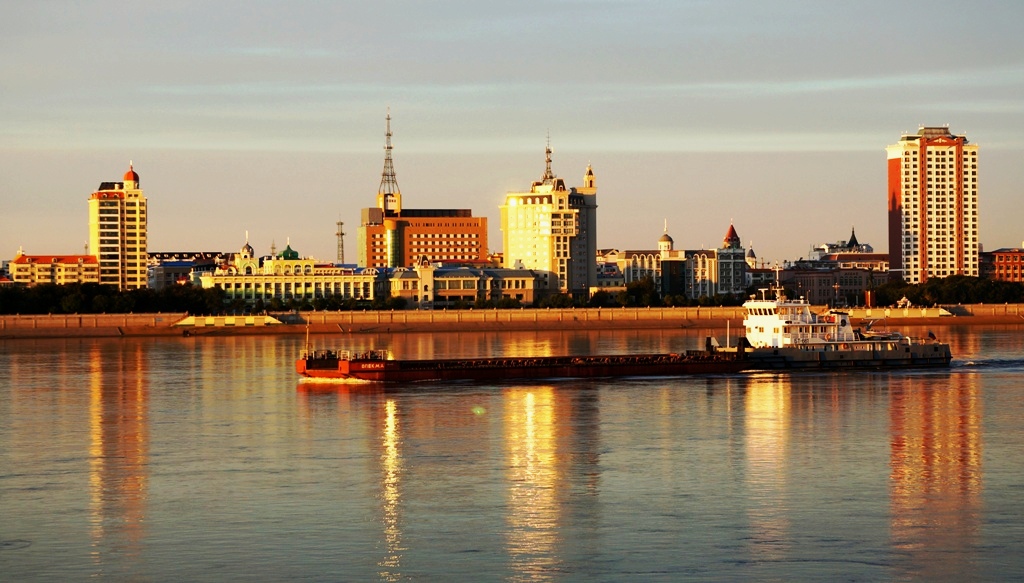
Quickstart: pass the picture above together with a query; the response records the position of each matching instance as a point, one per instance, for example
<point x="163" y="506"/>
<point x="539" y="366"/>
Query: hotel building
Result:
<point x="117" y="232"/>
<point x="553" y="228"/>
<point x="933" y="205"/>
<point x="392" y="236"/>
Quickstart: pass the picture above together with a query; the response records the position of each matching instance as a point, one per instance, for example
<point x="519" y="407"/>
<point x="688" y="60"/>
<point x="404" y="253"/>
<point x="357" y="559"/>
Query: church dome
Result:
<point x="130" y="175"/>
<point x="248" y="250"/>
<point x="665" y="239"/>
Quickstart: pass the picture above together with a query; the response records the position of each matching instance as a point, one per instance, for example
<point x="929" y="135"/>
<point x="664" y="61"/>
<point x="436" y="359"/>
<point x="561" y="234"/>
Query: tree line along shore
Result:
<point x="401" y="321"/>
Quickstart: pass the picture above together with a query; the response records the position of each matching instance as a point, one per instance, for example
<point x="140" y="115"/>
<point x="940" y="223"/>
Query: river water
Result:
<point x="205" y="459"/>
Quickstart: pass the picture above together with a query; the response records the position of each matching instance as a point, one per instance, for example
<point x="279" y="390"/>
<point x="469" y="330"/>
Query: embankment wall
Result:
<point x="115" y="325"/>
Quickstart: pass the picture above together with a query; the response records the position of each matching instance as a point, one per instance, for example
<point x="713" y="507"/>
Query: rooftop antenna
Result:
<point x="388" y="191"/>
<point x="548" y="175"/>
<point x="340" y="234"/>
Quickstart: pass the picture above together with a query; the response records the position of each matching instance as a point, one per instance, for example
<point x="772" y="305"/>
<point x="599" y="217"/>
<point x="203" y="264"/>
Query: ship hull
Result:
<point x="497" y="369"/>
<point x="867" y="357"/>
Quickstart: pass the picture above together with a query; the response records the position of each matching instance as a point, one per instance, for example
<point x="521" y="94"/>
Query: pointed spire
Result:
<point x="731" y="240"/>
<point x="666" y="226"/>
<point x="853" y="244"/>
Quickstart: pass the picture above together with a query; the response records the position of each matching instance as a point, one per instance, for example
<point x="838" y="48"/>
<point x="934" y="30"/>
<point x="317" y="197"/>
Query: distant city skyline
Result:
<point x="771" y="116"/>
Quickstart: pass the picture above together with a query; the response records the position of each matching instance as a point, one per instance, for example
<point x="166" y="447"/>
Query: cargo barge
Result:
<point x="377" y="366"/>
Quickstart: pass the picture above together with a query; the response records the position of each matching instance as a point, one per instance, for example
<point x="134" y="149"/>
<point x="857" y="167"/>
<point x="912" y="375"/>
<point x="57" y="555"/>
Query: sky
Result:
<point x="267" y="118"/>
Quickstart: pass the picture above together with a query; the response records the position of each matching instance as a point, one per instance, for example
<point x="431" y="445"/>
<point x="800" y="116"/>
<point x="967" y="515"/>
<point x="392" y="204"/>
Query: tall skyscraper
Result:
<point x="553" y="228"/>
<point x="933" y="205"/>
<point x="117" y="232"/>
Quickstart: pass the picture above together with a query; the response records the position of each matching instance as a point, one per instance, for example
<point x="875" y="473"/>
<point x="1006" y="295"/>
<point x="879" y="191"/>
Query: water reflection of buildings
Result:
<point x="118" y="453"/>
<point x="768" y="405"/>
<point x="936" y="476"/>
<point x="426" y="455"/>
<point x="391" y="467"/>
<point x="533" y="479"/>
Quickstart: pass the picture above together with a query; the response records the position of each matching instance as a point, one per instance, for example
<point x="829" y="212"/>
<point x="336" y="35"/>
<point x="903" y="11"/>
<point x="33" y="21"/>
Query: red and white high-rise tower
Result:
<point x="933" y="205"/>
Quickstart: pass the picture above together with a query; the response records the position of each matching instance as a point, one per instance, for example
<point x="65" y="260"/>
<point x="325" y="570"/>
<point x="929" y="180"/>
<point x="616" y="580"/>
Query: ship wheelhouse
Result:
<point x="781" y="322"/>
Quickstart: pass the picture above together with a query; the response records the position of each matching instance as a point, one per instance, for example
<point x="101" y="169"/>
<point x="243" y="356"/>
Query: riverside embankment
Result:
<point x="369" y="322"/>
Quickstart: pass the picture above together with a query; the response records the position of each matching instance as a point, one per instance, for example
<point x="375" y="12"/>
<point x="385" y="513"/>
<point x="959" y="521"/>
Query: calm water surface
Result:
<point x="204" y="459"/>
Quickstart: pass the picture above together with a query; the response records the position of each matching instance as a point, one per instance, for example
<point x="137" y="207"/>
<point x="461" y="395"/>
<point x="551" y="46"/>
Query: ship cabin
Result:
<point x="781" y="322"/>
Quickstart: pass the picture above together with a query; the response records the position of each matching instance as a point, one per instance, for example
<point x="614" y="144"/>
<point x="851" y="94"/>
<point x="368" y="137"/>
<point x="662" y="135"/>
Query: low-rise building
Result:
<point x="289" y="277"/>
<point x="1006" y="264"/>
<point x="433" y="285"/>
<point x="174" y="267"/>
<point x="58" y="269"/>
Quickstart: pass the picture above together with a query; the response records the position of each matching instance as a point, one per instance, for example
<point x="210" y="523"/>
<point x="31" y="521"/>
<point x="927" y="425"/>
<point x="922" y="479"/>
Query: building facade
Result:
<point x="433" y="285"/>
<point x="552" y="229"/>
<point x="933" y="205"/>
<point x="392" y="236"/>
<point x="58" y="269"/>
<point x="697" y="273"/>
<point x="1006" y="264"/>
<point x="117" y="232"/>
<point x="174" y="267"/>
<point x="287" y="276"/>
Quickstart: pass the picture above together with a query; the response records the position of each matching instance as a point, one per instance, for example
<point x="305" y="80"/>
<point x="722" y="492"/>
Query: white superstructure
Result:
<point x="781" y="322"/>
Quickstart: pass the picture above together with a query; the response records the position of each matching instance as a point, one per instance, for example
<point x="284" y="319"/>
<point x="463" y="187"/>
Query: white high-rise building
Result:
<point x="117" y="232"/>
<point x="933" y="205"/>
<point x="553" y="229"/>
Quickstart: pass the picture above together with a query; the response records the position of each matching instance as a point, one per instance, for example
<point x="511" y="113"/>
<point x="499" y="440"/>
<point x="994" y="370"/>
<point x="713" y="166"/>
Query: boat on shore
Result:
<point x="378" y="366"/>
<point x="781" y="333"/>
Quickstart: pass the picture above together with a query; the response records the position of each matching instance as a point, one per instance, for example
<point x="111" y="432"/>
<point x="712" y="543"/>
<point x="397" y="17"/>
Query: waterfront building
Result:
<point x="852" y="245"/>
<point x="435" y="285"/>
<point x="637" y="264"/>
<point x="391" y="235"/>
<point x="829" y="286"/>
<point x="609" y="276"/>
<point x="117" y="231"/>
<point x="838" y="273"/>
<point x="58" y="269"/>
<point x="552" y="229"/>
<point x="174" y="267"/>
<point x="288" y="276"/>
<point x="1005" y="264"/>
<point x="697" y="273"/>
<point x="933" y="205"/>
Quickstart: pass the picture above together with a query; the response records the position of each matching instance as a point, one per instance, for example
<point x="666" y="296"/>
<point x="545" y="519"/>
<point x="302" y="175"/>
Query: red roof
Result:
<point x="108" y="194"/>
<point x="731" y="235"/>
<point x="25" y="259"/>
<point x="130" y="174"/>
